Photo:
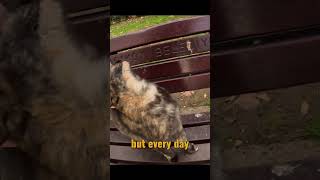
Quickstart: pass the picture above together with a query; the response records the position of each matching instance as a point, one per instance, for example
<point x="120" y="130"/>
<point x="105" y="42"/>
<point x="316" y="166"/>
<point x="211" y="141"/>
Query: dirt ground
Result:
<point x="263" y="119"/>
<point x="191" y="102"/>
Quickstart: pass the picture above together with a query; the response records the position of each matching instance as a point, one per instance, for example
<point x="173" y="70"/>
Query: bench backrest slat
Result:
<point x="82" y="5"/>
<point x="89" y="24"/>
<point x="177" y="67"/>
<point x="234" y="19"/>
<point x="165" y="50"/>
<point x="264" y="67"/>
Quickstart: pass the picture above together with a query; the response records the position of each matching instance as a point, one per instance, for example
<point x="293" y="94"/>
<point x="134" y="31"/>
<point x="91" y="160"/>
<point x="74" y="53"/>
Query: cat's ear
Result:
<point x="111" y="67"/>
<point x="125" y="65"/>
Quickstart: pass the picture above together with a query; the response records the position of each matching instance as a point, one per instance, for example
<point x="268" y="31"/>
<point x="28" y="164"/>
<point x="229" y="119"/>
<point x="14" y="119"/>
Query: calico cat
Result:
<point x="52" y="93"/>
<point x="147" y="111"/>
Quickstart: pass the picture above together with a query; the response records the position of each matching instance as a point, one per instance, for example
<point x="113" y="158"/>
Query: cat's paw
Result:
<point x="125" y="65"/>
<point x="174" y="159"/>
<point x="171" y="159"/>
<point x="192" y="148"/>
<point x="126" y="70"/>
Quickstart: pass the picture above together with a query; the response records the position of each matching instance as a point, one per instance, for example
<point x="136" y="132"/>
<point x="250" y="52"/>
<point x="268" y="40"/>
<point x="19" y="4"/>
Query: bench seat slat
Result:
<point x="200" y="118"/>
<point x="126" y="154"/>
<point x="187" y="83"/>
<point x="188" y="120"/>
<point x="194" y="134"/>
<point x="190" y="65"/>
<point x="162" y="32"/>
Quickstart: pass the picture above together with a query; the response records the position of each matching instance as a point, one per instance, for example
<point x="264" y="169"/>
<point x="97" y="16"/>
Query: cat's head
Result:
<point x="118" y="70"/>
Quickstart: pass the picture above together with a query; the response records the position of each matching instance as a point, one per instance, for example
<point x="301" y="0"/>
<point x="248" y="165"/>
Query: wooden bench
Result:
<point x="175" y="56"/>
<point x="263" y="45"/>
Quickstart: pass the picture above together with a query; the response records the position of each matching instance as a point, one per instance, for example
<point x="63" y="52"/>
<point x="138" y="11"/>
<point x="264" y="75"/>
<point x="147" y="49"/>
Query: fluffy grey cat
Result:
<point x="147" y="112"/>
<point x="52" y="93"/>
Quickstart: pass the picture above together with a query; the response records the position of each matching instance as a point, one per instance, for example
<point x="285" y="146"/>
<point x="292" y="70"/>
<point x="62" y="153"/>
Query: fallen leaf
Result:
<point x="247" y="101"/>
<point x="263" y="96"/>
<point x="198" y="115"/>
<point x="283" y="170"/>
<point x="230" y="99"/>
<point x="187" y="93"/>
<point x="230" y="120"/>
<point x="238" y="143"/>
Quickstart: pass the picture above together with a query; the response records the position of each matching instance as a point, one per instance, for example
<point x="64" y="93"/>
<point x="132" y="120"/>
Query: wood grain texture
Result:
<point x="125" y="154"/>
<point x="186" y="83"/>
<point x="234" y="19"/>
<point x="177" y="67"/>
<point x="72" y="7"/>
<point x="171" y="49"/>
<point x="271" y="66"/>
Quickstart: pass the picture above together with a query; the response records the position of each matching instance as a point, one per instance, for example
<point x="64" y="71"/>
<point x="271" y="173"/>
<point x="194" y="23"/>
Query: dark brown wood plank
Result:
<point x="94" y="33"/>
<point x="163" y="32"/>
<point x="165" y="70"/>
<point x="72" y="6"/>
<point x="3" y="15"/>
<point x="165" y="50"/>
<point x="15" y="165"/>
<point x="248" y="17"/>
<point x="266" y="67"/>
<point x="8" y="144"/>
<point x="201" y="118"/>
<point x="101" y="14"/>
<point x="194" y="134"/>
<point x="187" y="83"/>
<point x="126" y="154"/>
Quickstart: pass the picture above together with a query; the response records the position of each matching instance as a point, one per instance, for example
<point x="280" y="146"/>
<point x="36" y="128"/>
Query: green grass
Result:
<point x="313" y="127"/>
<point x="314" y="131"/>
<point x="205" y="102"/>
<point x="139" y="23"/>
